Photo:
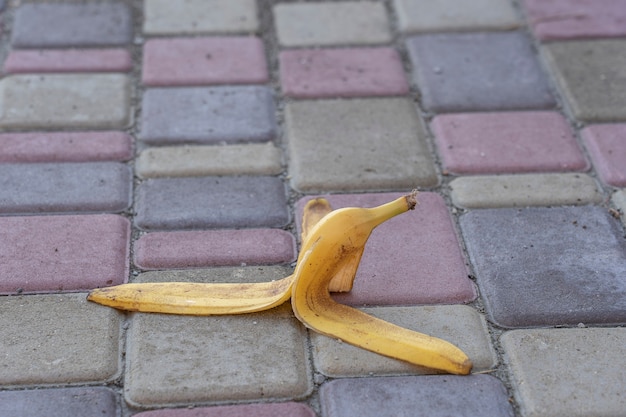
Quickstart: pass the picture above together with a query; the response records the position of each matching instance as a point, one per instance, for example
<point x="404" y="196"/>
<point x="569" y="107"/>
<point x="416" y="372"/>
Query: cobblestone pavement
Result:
<point x="162" y="140"/>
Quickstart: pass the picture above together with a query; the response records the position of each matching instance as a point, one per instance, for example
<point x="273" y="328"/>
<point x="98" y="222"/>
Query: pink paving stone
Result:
<point x="65" y="147"/>
<point x="414" y="258"/>
<point x="63" y="253"/>
<point x="289" y="409"/>
<point x="68" y="60"/>
<point x="507" y="142"/>
<point x="196" y="249"/>
<point x="606" y="144"/>
<point x="204" y="61"/>
<point x="571" y="19"/>
<point x="342" y="72"/>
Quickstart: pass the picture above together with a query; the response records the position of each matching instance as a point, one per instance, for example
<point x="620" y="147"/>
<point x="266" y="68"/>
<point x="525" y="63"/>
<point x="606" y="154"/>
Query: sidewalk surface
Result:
<point x="162" y="140"/>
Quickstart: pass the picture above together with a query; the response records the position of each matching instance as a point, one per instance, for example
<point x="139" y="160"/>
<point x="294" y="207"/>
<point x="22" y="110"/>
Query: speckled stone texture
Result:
<point x="59" y="402"/>
<point x="606" y="144"/>
<point x="287" y="409"/>
<point x="68" y="60"/>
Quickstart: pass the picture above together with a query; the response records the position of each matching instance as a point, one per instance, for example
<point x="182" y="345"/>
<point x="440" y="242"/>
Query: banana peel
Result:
<point x="332" y="246"/>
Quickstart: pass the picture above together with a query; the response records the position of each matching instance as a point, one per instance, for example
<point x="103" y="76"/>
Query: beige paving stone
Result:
<point x="346" y="22"/>
<point x="184" y="359"/>
<point x="57" y="339"/>
<point x="165" y="17"/>
<point x="220" y="274"/>
<point x="458" y="324"/>
<point x="619" y="200"/>
<point x="65" y="101"/>
<point x="567" y="372"/>
<point x="190" y="161"/>
<point x="524" y="190"/>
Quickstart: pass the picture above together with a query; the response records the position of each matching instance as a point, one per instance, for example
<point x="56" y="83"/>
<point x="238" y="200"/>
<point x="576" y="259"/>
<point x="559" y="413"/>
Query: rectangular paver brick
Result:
<point x="206" y="61"/>
<point x="211" y="202"/>
<point x="67" y="24"/>
<point x="164" y="17"/>
<point x="63" y="253"/>
<point x="65" y="101"/>
<point x="606" y="144"/>
<point x="194" y="249"/>
<point x="207" y="115"/>
<point x="68" y="187"/>
<point x="59" y="402"/>
<point x="567" y="372"/>
<point x="287" y="409"/>
<point x="460" y="325"/>
<point x="57" y="339"/>
<point x="65" y="147"/>
<point x="239" y="274"/>
<point x="357" y="145"/>
<point x="345" y="72"/>
<point x="194" y="161"/>
<point x="345" y="22"/>
<point x="68" y="60"/>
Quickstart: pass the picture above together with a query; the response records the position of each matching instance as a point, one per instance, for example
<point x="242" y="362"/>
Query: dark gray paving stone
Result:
<point x="478" y="71"/>
<point x="548" y="266"/>
<point x="211" y="202"/>
<point x="69" y="187"/>
<point x="63" y="24"/>
<point x="432" y="396"/>
<point x="62" y="402"/>
<point x="207" y="115"/>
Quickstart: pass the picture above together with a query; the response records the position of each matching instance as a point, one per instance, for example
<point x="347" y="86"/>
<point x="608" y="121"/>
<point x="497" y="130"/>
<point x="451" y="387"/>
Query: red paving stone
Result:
<point x="607" y="147"/>
<point x="257" y="410"/>
<point x="68" y="60"/>
<point x="204" y="61"/>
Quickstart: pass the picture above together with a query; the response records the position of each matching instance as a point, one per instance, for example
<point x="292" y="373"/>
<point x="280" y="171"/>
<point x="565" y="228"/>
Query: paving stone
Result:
<point x="412" y="259"/>
<point x="548" y="266"/>
<point x="194" y="161"/>
<point x="60" y="402"/>
<point x="458" y="324"/>
<point x="216" y="358"/>
<point x="607" y="147"/>
<point x="592" y="77"/>
<point x="619" y="200"/>
<point x="164" y="17"/>
<point x="68" y="60"/>
<point x="63" y="253"/>
<point x="204" y="61"/>
<point x="259" y="273"/>
<point x="70" y="187"/>
<point x="507" y="142"/>
<point x="288" y="409"/>
<point x="57" y="339"/>
<point x="345" y="22"/>
<point x="524" y="190"/>
<point x="211" y="202"/>
<point x="65" y="147"/>
<point x="345" y="72"/>
<point x="453" y="15"/>
<point x="194" y="249"/>
<point x="478" y="71"/>
<point x="572" y="19"/>
<point x="65" y="101"/>
<point x="567" y="372"/>
<point x="207" y="115"/>
<point x="359" y="144"/>
<point x="90" y="24"/>
<point x="434" y="395"/>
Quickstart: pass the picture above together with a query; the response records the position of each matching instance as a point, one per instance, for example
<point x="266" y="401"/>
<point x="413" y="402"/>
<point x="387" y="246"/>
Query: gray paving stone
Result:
<point x="619" y="200"/>
<point x="592" y="77"/>
<point x="219" y="358"/>
<point x="63" y="24"/>
<point x="65" y="101"/>
<point x="69" y="187"/>
<point x="207" y="115"/>
<point x="548" y="266"/>
<point x="357" y="145"/>
<point x="164" y="17"/>
<point x="222" y="274"/>
<point x="57" y="339"/>
<point x="567" y="372"/>
<point x="60" y="402"/>
<point x="491" y="191"/>
<point x="478" y="71"/>
<point x="458" y="324"/>
<point x="197" y="161"/>
<point x="211" y="202"/>
<point x="433" y="396"/>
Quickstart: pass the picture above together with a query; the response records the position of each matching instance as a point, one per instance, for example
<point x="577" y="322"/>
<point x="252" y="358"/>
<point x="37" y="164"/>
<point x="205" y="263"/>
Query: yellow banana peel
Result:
<point x="332" y="246"/>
